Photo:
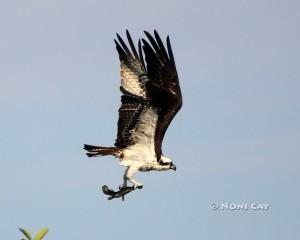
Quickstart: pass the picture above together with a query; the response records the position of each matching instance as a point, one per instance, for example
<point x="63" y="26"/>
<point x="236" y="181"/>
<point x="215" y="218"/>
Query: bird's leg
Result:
<point x="136" y="184"/>
<point x="124" y="181"/>
<point x="129" y="176"/>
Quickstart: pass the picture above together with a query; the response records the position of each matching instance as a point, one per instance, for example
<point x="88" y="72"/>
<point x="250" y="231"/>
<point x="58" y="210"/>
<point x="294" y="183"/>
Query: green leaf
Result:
<point x="26" y="233"/>
<point x="41" y="234"/>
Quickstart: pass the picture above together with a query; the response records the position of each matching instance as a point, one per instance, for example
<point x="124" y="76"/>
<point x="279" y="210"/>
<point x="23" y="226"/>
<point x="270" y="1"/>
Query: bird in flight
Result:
<point x="151" y="97"/>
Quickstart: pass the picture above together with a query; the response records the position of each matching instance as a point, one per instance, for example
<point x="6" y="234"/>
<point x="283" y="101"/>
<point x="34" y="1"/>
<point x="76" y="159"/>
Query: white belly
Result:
<point x="138" y="153"/>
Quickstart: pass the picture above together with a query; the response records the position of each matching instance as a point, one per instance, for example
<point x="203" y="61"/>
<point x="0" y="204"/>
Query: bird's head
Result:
<point x="167" y="162"/>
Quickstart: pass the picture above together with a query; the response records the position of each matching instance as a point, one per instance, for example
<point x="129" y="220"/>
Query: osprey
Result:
<point x="151" y="97"/>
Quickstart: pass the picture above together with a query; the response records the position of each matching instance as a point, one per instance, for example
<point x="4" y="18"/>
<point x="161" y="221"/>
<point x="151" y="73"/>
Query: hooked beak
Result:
<point x="173" y="167"/>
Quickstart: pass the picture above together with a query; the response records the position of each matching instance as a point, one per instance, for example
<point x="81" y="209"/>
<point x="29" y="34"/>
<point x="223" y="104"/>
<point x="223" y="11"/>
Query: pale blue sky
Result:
<point x="235" y="140"/>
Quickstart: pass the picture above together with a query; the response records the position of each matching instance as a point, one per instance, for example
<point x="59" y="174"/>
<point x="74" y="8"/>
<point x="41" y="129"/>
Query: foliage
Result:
<point x="38" y="236"/>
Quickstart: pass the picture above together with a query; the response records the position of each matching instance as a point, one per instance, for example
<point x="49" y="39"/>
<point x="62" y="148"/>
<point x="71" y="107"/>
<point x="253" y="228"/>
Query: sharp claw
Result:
<point x="121" y="187"/>
<point x="135" y="186"/>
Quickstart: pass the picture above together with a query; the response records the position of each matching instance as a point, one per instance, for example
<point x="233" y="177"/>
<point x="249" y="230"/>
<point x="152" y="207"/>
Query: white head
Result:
<point x="164" y="161"/>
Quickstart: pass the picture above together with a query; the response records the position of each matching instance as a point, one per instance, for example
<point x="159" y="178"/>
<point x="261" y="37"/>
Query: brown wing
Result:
<point x="134" y="99"/>
<point x="163" y="87"/>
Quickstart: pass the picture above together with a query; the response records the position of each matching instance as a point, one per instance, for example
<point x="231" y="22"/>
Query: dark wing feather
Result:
<point x="134" y="99"/>
<point x="163" y="87"/>
<point x="130" y="111"/>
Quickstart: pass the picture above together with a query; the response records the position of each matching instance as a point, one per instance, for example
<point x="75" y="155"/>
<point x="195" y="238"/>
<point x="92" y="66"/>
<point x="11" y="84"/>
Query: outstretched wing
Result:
<point x="163" y="87"/>
<point x="133" y="86"/>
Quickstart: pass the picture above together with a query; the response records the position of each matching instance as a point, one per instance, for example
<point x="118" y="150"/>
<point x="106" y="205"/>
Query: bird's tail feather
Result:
<point x="94" y="151"/>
